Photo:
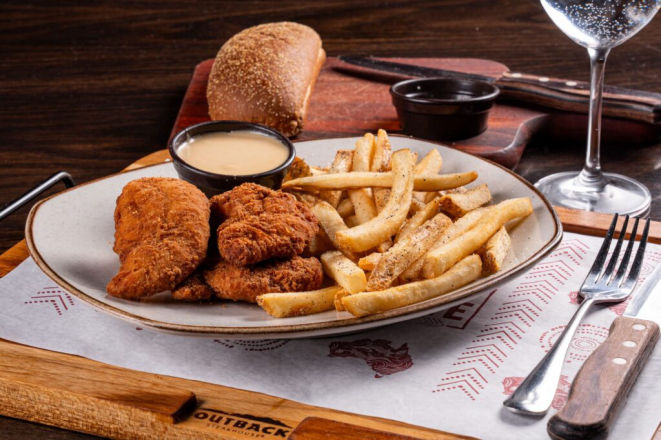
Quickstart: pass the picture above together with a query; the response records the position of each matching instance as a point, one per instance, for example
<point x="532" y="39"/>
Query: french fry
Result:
<point x="341" y="164"/>
<point x="387" y="222"/>
<point x="363" y="204"/>
<point x="421" y="216"/>
<point x="361" y="199"/>
<point x="380" y="198"/>
<point x="416" y="205"/>
<point x="433" y="194"/>
<point x="370" y="261"/>
<point x="307" y="198"/>
<point x="318" y="245"/>
<point x="494" y="251"/>
<point x="439" y="260"/>
<point x="368" y="303"/>
<point x="385" y="245"/>
<point x="381" y="163"/>
<point x="364" y="153"/>
<point x="351" y="221"/>
<point x="345" y="208"/>
<point x="342" y="181"/>
<point x="407" y="250"/>
<point x="465" y="223"/>
<point x="337" y="301"/>
<point x="430" y="165"/>
<point x="285" y="305"/>
<point x="382" y="152"/>
<point x="458" y="204"/>
<point x="331" y="223"/>
<point x="344" y="271"/>
<point x="314" y="171"/>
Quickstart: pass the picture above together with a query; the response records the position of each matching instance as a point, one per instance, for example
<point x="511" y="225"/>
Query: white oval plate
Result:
<point x="70" y="236"/>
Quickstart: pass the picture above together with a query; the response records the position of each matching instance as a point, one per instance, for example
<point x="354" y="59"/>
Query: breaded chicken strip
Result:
<point x="161" y="235"/>
<point x="245" y="283"/>
<point x="260" y="223"/>
<point x="193" y="288"/>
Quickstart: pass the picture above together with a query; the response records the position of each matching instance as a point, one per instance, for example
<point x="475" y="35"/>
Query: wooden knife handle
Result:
<point x="604" y="381"/>
<point x="574" y="96"/>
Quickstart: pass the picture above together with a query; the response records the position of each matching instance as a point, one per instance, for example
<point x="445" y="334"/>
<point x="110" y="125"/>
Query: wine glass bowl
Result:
<point x="598" y="25"/>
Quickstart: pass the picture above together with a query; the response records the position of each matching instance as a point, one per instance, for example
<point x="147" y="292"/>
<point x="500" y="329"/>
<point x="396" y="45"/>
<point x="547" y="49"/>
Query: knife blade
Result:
<point x="411" y="70"/>
<point x="608" y="374"/>
<point x="554" y="93"/>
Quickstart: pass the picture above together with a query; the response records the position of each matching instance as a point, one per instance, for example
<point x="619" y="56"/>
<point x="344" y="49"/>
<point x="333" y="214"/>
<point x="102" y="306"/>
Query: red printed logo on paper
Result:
<point x="575" y="298"/>
<point x="586" y="339"/>
<point x="379" y="355"/>
<point x="511" y="383"/>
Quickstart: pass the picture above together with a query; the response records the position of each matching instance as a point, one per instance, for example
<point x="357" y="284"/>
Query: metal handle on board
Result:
<point x="12" y="207"/>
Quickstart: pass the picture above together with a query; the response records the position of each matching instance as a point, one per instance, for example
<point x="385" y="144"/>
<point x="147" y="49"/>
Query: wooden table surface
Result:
<point x="91" y="87"/>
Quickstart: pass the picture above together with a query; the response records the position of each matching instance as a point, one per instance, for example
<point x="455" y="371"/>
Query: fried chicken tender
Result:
<point x="260" y="223"/>
<point x="246" y="283"/>
<point x="193" y="288"/>
<point x="161" y="235"/>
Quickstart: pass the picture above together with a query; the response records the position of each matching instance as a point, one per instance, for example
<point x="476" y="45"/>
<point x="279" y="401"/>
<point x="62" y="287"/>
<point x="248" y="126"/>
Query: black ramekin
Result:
<point x="443" y="109"/>
<point x="212" y="183"/>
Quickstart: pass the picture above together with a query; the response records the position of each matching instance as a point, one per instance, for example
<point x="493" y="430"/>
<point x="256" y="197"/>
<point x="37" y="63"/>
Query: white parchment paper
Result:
<point x="448" y="371"/>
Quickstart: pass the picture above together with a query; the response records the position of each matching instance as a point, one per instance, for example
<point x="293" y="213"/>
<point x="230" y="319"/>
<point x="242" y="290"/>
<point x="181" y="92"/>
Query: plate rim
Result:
<point x="288" y="329"/>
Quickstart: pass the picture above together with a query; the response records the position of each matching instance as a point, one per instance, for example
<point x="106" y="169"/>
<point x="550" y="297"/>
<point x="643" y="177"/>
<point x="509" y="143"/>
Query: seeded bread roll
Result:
<point x="265" y="74"/>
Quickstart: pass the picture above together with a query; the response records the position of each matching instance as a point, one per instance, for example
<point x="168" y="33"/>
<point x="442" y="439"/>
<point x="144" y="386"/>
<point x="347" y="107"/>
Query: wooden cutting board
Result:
<point x="79" y="394"/>
<point x="83" y="395"/>
<point x="349" y="101"/>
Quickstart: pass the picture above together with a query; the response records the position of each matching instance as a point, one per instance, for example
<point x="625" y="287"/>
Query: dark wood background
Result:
<point x="89" y="87"/>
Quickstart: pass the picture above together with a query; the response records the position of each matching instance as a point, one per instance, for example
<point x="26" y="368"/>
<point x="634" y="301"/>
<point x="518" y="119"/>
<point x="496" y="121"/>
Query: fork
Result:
<point x="535" y="394"/>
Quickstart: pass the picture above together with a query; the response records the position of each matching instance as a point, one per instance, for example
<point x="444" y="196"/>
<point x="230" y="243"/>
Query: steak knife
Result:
<point x="559" y="94"/>
<point x="605" y="379"/>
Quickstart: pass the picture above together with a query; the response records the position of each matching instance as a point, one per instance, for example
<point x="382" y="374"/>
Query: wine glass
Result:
<point x="598" y="25"/>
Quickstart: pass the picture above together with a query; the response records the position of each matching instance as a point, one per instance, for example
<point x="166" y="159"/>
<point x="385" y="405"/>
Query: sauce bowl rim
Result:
<point x="236" y="126"/>
<point x="492" y="95"/>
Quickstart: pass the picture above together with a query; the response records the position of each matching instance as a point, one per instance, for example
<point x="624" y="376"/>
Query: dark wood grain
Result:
<point x="602" y="385"/>
<point x="365" y="106"/>
<point x="91" y="87"/>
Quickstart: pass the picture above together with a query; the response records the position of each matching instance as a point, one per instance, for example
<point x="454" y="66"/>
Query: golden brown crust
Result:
<point x="161" y="235"/>
<point x="261" y="223"/>
<point x="245" y="283"/>
<point x="266" y="74"/>
<point x="193" y="288"/>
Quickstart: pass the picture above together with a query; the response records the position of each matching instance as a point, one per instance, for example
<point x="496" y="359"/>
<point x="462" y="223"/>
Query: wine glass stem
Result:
<point x="591" y="178"/>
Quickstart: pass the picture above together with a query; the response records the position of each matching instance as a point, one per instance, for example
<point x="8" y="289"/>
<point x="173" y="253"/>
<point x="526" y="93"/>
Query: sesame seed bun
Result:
<point x="265" y="74"/>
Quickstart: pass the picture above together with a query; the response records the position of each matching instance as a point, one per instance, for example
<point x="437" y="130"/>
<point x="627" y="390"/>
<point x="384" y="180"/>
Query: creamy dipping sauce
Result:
<point x="237" y="153"/>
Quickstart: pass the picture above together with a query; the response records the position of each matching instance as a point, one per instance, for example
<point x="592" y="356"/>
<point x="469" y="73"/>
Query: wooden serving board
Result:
<point x="348" y="100"/>
<point x="75" y="393"/>
<point x="83" y="395"/>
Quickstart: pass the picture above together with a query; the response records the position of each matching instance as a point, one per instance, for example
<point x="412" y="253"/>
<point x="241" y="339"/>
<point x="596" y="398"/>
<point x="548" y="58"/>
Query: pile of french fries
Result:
<point x="394" y="232"/>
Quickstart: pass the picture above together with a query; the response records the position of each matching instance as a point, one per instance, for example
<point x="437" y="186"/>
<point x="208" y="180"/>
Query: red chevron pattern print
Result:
<point x="512" y="319"/>
<point x="60" y="300"/>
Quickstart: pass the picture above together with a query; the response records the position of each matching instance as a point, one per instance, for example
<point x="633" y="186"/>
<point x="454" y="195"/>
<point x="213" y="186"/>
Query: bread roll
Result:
<point x="265" y="74"/>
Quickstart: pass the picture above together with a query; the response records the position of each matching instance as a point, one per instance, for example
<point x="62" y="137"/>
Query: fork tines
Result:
<point x="602" y="274"/>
